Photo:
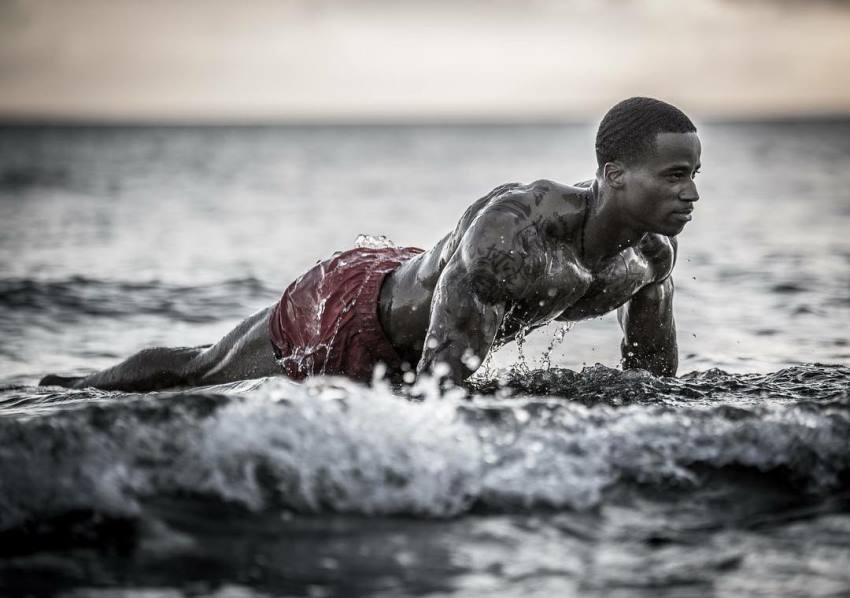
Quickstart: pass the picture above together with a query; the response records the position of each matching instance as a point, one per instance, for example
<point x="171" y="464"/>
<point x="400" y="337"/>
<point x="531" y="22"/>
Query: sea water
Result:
<point x="555" y="474"/>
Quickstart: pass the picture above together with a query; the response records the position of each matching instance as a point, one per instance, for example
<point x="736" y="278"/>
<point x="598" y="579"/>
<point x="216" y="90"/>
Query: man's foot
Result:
<point x="66" y="381"/>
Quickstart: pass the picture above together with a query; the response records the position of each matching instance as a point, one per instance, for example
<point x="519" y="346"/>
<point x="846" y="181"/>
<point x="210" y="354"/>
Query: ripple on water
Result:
<point x="332" y="446"/>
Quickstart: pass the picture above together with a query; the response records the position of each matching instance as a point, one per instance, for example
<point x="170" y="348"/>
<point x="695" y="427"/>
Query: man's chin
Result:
<point x="670" y="229"/>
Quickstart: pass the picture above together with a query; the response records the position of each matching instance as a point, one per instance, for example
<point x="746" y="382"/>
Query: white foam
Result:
<point x="332" y="445"/>
<point x="340" y="446"/>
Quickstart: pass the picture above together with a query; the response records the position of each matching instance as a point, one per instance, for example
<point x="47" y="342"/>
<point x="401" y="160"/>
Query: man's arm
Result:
<point x="649" y="332"/>
<point x="463" y="325"/>
<point x="498" y="257"/>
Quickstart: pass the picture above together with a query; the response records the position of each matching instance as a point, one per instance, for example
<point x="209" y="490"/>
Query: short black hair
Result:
<point x="627" y="132"/>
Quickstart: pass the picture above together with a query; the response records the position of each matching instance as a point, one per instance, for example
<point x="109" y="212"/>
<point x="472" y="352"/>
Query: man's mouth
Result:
<point x="684" y="215"/>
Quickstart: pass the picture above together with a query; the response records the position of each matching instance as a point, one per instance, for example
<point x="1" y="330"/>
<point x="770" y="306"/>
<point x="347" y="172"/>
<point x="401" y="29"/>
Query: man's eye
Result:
<point x="696" y="172"/>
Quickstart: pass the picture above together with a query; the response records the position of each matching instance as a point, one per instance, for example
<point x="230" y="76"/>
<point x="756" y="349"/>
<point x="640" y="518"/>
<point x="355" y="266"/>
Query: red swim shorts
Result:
<point x="327" y="322"/>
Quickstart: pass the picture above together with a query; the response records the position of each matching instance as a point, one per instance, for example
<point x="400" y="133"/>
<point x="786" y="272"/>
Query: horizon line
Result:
<point x="70" y="121"/>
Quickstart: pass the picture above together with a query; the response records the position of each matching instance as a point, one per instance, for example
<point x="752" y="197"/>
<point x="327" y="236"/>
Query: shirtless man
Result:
<point x="520" y="257"/>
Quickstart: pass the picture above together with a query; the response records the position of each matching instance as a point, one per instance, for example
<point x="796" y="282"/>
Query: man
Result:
<point x="520" y="257"/>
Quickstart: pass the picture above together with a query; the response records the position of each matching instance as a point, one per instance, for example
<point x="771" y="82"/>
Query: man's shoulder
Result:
<point x="526" y="218"/>
<point x="517" y="217"/>
<point x="506" y="234"/>
<point x="529" y="201"/>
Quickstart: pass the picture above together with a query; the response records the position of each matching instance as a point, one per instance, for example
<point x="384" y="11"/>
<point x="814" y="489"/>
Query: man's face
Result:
<point x="659" y="189"/>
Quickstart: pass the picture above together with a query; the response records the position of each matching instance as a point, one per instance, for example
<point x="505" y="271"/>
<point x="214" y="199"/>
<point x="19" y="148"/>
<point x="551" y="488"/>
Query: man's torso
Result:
<point x="539" y="256"/>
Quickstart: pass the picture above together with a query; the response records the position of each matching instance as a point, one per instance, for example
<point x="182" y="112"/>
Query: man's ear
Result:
<point x="613" y="174"/>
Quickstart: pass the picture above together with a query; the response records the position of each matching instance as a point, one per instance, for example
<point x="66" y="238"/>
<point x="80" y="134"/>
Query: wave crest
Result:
<point x="333" y="446"/>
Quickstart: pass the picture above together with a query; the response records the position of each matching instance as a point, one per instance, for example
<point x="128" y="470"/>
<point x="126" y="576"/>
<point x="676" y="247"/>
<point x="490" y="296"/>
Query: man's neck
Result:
<point x="605" y="232"/>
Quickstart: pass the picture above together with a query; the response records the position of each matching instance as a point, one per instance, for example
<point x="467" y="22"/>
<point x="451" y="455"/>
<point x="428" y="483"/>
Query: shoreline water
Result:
<point x="590" y="482"/>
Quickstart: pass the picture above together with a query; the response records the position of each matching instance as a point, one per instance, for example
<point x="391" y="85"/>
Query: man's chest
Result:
<point x="612" y="285"/>
<point x="570" y="291"/>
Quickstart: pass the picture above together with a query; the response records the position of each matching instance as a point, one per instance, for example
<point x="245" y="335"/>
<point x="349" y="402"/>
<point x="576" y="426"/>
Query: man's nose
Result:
<point x="690" y="192"/>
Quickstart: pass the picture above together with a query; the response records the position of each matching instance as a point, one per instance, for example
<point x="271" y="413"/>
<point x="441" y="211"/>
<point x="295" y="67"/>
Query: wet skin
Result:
<point x="525" y="255"/>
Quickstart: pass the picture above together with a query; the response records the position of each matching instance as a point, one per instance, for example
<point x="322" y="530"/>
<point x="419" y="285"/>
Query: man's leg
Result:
<point x="149" y="369"/>
<point x="244" y="352"/>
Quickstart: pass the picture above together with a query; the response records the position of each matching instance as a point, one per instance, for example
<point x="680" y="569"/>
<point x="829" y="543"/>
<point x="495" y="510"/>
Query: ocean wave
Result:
<point x="332" y="446"/>
<point x="75" y="297"/>
<point x="602" y="385"/>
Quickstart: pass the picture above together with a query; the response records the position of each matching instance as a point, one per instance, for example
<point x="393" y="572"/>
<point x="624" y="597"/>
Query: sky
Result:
<point x="418" y="60"/>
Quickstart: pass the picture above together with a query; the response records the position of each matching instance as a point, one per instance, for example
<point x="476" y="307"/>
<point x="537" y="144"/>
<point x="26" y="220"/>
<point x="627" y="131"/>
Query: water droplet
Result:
<point x="521" y="415"/>
<point x="328" y="563"/>
<point x="442" y="369"/>
<point x="379" y="372"/>
<point x="470" y="359"/>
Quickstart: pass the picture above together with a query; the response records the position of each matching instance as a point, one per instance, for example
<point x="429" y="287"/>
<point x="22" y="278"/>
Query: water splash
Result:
<point x="519" y="338"/>
<point x="364" y="241"/>
<point x="557" y="339"/>
<point x="330" y="445"/>
<point x="486" y="370"/>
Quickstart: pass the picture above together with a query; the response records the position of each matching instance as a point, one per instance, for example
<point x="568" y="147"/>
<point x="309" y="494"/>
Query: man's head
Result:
<point x="627" y="132"/>
<point x="648" y="153"/>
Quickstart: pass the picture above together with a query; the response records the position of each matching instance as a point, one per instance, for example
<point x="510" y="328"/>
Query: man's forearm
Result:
<point x="649" y="330"/>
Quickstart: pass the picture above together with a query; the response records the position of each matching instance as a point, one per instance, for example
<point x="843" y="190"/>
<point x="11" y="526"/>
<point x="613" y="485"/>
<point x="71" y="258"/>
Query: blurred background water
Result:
<point x="115" y="238"/>
<point x="595" y="483"/>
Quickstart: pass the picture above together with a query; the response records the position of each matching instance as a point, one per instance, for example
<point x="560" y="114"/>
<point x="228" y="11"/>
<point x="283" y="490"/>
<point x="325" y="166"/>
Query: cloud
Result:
<point x="375" y="59"/>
